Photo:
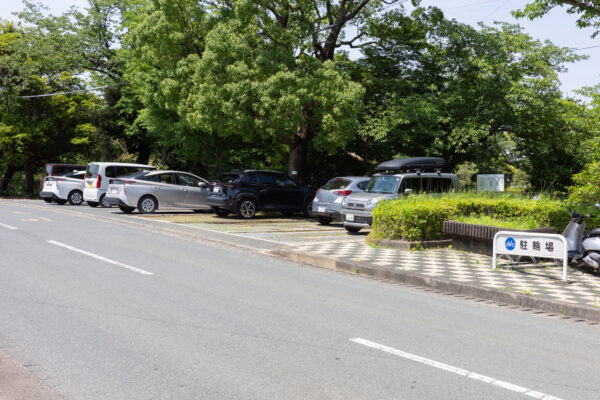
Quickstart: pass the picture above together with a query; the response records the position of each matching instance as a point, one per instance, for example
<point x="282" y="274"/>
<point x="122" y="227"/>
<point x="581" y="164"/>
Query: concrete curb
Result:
<point x="393" y="275"/>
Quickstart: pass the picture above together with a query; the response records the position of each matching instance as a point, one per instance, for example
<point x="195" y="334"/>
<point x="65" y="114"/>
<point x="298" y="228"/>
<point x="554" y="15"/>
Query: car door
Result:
<point x="269" y="192"/>
<point x="292" y="195"/>
<point x="195" y="195"/>
<point x="169" y="194"/>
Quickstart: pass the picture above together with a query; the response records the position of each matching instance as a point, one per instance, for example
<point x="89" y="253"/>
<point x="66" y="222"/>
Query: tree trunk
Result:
<point x="29" y="181"/>
<point x="299" y="147"/>
<point x="8" y="174"/>
<point x="164" y="152"/>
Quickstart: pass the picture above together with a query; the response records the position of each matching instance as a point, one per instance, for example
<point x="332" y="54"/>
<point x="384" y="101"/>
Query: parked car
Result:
<point x="149" y="191"/>
<point x="327" y="203"/>
<point x="396" y="178"/>
<point x="250" y="191"/>
<point x="57" y="169"/>
<point x="97" y="175"/>
<point x="61" y="189"/>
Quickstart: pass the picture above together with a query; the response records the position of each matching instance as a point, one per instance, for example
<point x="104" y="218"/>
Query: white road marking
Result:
<point x="97" y="257"/>
<point x="459" y="371"/>
<point x="12" y="228"/>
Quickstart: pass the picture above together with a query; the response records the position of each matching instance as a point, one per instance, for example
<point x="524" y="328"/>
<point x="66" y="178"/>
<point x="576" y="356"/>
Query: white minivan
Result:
<point x="98" y="174"/>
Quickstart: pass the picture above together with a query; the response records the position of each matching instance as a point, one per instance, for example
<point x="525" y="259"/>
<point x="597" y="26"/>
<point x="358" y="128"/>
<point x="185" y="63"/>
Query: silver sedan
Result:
<point x="327" y="203"/>
<point x="149" y="191"/>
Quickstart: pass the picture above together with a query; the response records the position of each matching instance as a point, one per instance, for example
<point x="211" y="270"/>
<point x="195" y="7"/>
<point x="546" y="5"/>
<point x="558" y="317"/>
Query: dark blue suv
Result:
<point x="250" y="191"/>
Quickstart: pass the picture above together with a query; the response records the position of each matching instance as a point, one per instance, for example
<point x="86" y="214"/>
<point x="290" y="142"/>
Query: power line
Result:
<point x="64" y="93"/>
<point x="585" y="48"/>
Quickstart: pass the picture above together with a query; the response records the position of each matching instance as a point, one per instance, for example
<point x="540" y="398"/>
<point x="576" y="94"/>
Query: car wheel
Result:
<point x="324" y="220"/>
<point x="93" y="203"/>
<point x="246" y="208"/>
<point x="75" y="198"/>
<point x="308" y="208"/>
<point x="147" y="205"/>
<point x="352" y="229"/>
<point x="60" y="201"/>
<point x="104" y="203"/>
<point x="126" y="210"/>
<point x="221" y="213"/>
<point x="48" y="199"/>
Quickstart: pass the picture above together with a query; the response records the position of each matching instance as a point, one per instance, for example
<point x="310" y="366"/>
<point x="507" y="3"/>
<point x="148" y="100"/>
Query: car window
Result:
<point x="117" y="171"/>
<point x="92" y="171"/>
<point x="363" y="185"/>
<point x="337" y="183"/>
<point x="383" y="184"/>
<point x="416" y="185"/>
<point x="229" y="178"/>
<point x="248" y="179"/>
<point x="75" y="175"/>
<point x="165" y="178"/>
<point x="149" y="178"/>
<point x="187" y="180"/>
<point x="440" y="185"/>
<point x="267" y="179"/>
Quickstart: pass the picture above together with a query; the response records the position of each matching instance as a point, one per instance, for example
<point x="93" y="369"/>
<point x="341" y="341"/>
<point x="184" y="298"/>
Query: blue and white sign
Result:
<point x="510" y="243"/>
<point x="536" y="245"/>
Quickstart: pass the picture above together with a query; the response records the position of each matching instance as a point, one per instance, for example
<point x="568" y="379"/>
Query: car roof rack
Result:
<point x="412" y="164"/>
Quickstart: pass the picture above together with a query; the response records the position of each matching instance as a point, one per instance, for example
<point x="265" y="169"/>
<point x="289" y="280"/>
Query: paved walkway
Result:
<point x="543" y="280"/>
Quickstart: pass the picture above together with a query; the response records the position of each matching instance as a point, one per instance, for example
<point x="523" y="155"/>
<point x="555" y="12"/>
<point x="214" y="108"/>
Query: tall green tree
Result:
<point x="587" y="11"/>
<point x="438" y="87"/>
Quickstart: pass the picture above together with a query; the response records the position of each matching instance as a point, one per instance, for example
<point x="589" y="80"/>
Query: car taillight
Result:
<point x="342" y="192"/>
<point x="84" y="176"/>
<point x="318" y="190"/>
<point x="98" y="181"/>
<point x="125" y="186"/>
<point x="41" y="178"/>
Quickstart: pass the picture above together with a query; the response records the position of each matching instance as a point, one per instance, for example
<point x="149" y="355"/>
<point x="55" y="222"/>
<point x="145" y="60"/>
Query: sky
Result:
<point x="558" y="27"/>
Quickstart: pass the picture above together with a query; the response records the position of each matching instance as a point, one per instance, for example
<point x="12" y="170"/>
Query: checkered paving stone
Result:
<point x="541" y="279"/>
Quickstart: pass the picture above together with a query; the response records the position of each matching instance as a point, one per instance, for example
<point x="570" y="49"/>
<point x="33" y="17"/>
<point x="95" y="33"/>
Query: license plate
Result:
<point x="89" y="185"/>
<point x="350" y="217"/>
<point x="217" y="189"/>
<point x="321" y="209"/>
<point x="114" y="190"/>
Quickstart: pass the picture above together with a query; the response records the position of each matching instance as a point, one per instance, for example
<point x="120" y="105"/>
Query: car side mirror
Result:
<point x="408" y="191"/>
<point x="202" y="184"/>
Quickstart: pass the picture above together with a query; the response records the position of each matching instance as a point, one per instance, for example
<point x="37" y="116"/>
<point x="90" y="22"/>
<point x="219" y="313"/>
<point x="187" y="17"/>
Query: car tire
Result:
<point x="126" y="209"/>
<point x="75" y="198"/>
<point x="93" y="203"/>
<point x="104" y="203"/>
<point x="61" y="201"/>
<point x="48" y="200"/>
<point x="221" y="212"/>
<point x="352" y="229"/>
<point x="246" y="208"/>
<point x="324" y="220"/>
<point x="147" y="205"/>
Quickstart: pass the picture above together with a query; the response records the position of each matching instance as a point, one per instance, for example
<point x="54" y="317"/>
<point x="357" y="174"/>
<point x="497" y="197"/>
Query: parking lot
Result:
<point x="270" y="227"/>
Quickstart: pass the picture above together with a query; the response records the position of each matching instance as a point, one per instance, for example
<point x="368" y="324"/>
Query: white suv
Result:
<point x="98" y="174"/>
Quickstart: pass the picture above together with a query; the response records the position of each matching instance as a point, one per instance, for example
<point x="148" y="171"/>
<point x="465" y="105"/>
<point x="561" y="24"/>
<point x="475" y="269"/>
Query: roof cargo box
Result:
<point x="413" y="164"/>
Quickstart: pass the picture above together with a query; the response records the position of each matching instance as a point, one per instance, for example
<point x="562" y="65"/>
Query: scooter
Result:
<point x="583" y="247"/>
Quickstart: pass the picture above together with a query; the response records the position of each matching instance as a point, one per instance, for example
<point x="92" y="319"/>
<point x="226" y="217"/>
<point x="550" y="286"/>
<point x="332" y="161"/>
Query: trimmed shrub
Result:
<point x="418" y="218"/>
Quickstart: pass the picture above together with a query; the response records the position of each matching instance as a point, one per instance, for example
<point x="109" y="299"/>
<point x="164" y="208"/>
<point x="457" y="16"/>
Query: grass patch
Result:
<point x="491" y="221"/>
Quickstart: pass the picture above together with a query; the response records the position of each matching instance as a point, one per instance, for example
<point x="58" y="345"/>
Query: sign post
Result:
<point x="541" y="245"/>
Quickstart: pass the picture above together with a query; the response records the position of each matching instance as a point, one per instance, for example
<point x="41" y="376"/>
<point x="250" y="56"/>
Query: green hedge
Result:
<point x="421" y="217"/>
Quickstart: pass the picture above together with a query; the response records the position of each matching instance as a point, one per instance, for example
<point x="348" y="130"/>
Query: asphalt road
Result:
<point x="101" y="310"/>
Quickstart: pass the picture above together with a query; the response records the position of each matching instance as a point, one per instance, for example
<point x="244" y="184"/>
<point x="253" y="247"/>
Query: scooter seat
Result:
<point x="593" y="233"/>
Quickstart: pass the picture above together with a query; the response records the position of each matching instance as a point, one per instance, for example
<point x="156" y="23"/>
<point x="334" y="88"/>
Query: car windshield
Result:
<point x="383" y="184"/>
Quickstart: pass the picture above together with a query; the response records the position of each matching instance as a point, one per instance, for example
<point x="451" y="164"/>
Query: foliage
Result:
<point x="586" y="188"/>
<point x="465" y="173"/>
<point x="491" y="221"/>
<point x="490" y="96"/>
<point x="421" y="217"/>
<point x="588" y="11"/>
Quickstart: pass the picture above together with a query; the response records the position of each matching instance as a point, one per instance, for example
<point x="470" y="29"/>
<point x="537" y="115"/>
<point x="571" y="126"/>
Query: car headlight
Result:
<point x="371" y="203"/>
<point x="344" y="201"/>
